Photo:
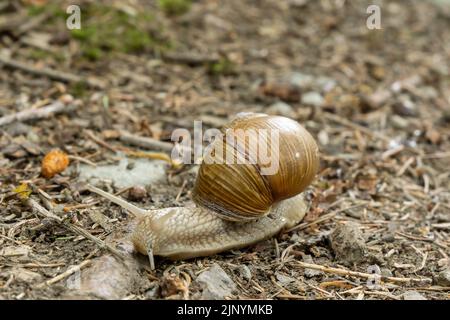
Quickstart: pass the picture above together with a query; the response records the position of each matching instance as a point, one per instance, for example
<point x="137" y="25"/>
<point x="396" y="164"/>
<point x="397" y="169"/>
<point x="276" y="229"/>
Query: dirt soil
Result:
<point x="377" y="101"/>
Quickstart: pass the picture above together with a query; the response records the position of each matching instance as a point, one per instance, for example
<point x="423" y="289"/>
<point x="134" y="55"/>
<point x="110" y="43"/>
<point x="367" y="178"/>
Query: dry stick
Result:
<point x="50" y="73"/>
<point x="41" y="211"/>
<point x="65" y="274"/>
<point x="33" y="114"/>
<point x="145" y="142"/>
<point x="344" y="272"/>
<point x="190" y="58"/>
<point x="347" y="123"/>
<point x="30" y="24"/>
<point x="99" y="141"/>
<point x="326" y="217"/>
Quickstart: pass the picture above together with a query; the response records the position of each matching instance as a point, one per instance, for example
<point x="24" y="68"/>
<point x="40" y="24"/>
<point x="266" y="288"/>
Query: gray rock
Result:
<point x="443" y="278"/>
<point x="348" y="243"/>
<point x="284" y="280"/>
<point x="26" y="275"/>
<point x="413" y="295"/>
<point x="309" y="273"/>
<point x="106" y="278"/>
<point x="245" y="272"/>
<point x="325" y="83"/>
<point x="14" y="251"/>
<point x="153" y="292"/>
<point x="282" y="109"/>
<point x="301" y="80"/>
<point x="142" y="172"/>
<point x="216" y="283"/>
<point x="312" y="98"/>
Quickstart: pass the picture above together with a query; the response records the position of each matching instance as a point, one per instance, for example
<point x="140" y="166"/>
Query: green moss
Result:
<point x="38" y="54"/>
<point x="175" y="7"/>
<point x="107" y="30"/>
<point x="78" y="89"/>
<point x="222" y="67"/>
<point x="52" y="8"/>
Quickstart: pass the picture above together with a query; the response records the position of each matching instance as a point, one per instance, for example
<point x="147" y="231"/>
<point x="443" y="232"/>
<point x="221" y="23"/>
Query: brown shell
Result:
<point x="239" y="191"/>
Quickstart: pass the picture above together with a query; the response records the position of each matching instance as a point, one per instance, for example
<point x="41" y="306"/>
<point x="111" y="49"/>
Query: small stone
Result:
<point x="144" y="172"/>
<point x="153" y="292"/>
<point x="443" y="278"/>
<point x="348" y="243"/>
<point x="443" y="262"/>
<point x="405" y="108"/>
<point x="216" y="283"/>
<point x="325" y="84"/>
<point x="66" y="98"/>
<point x="413" y="295"/>
<point x="284" y="280"/>
<point x="137" y="193"/>
<point x="18" y="128"/>
<point x="245" y="272"/>
<point x="12" y="251"/>
<point x="385" y="272"/>
<point x="399" y="122"/>
<point x="309" y="273"/>
<point x="301" y="80"/>
<point x="312" y="98"/>
<point x="26" y="275"/>
<point x="282" y="109"/>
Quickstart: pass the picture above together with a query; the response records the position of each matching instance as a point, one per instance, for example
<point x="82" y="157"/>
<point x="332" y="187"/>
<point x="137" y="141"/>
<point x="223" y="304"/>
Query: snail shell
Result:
<point x="231" y="193"/>
<point x="241" y="192"/>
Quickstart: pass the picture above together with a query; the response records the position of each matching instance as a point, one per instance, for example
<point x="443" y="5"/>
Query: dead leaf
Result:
<point x="23" y="191"/>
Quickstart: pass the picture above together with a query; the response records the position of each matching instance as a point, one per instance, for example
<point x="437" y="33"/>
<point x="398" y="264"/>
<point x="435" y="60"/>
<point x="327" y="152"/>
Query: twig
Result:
<point x="344" y="272"/>
<point x="323" y="218"/>
<point x="41" y="211"/>
<point x="81" y="159"/>
<point x="34" y="114"/>
<point x="190" y="58"/>
<point x="347" y="123"/>
<point x="49" y="73"/>
<point x="99" y="141"/>
<point x="65" y="274"/>
<point x="145" y="142"/>
<point x="181" y="191"/>
<point x="30" y="24"/>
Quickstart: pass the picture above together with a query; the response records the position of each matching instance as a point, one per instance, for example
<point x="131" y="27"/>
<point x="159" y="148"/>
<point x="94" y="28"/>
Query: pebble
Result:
<point x="405" y="107"/>
<point x="284" y="280"/>
<point x="443" y="278"/>
<point x="301" y="80"/>
<point x="282" y="109"/>
<point x="245" y="272"/>
<point x="216" y="283"/>
<point x="413" y="295"/>
<point x="137" y="193"/>
<point x="312" y="98"/>
<point x="153" y="292"/>
<point x="309" y="273"/>
<point x="12" y="251"/>
<point x="26" y="275"/>
<point x="144" y="172"/>
<point x="348" y="243"/>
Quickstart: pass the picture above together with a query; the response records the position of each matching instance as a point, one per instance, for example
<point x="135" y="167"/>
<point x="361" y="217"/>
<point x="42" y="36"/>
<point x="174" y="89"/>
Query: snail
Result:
<point x="235" y="204"/>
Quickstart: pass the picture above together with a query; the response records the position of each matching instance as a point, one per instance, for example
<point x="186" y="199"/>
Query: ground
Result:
<point x="377" y="101"/>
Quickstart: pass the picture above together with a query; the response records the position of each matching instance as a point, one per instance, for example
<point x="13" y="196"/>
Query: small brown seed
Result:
<point x="137" y="193"/>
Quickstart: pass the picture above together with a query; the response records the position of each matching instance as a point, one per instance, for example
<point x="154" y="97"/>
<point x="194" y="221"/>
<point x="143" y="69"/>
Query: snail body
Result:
<point x="235" y="204"/>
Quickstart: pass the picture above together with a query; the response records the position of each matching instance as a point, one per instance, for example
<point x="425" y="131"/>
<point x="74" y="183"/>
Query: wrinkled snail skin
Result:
<point x="181" y="233"/>
<point x="235" y="204"/>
